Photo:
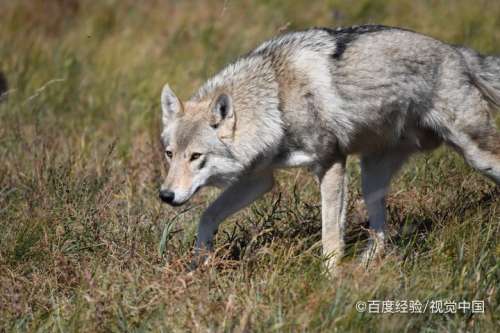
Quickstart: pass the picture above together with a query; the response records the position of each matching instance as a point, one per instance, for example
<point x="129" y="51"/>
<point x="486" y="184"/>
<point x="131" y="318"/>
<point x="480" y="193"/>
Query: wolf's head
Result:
<point x="196" y="138"/>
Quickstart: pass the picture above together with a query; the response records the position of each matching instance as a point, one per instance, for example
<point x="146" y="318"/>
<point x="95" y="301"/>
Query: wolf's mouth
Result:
<point x="177" y="204"/>
<point x="196" y="190"/>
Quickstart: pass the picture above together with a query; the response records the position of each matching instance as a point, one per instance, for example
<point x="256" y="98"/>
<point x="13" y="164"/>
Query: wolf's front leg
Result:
<point x="333" y="211"/>
<point x="234" y="198"/>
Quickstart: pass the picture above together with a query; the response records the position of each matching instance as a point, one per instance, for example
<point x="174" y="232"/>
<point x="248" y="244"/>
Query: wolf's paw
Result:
<point x="199" y="259"/>
<point x="193" y="265"/>
<point x="332" y="268"/>
<point x="373" y="252"/>
<point x="332" y="263"/>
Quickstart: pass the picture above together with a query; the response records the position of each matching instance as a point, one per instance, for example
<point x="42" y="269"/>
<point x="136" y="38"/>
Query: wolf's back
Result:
<point x="485" y="71"/>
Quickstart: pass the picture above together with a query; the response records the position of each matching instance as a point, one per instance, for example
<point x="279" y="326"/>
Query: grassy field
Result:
<point x="85" y="245"/>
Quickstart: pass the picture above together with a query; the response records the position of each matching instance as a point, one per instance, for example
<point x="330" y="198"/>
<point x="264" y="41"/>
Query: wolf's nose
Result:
<point x="167" y="196"/>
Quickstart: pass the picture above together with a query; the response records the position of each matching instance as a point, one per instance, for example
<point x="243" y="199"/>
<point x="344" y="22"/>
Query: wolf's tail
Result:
<point x="485" y="73"/>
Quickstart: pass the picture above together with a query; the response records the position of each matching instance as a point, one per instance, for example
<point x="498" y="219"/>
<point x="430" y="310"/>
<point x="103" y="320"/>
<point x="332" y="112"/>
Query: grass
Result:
<point x="86" y="245"/>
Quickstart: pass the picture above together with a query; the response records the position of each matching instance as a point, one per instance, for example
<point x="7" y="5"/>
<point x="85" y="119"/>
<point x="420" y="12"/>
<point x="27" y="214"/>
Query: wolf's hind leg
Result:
<point x="233" y="199"/>
<point x="481" y="150"/>
<point x="333" y="211"/>
<point x="467" y="125"/>
<point x="376" y="173"/>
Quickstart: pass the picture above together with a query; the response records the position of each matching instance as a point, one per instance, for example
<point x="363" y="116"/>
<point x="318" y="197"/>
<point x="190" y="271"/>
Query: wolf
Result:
<point x="310" y="99"/>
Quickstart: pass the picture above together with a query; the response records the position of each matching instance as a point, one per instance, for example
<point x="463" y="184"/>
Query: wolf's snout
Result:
<point x="167" y="196"/>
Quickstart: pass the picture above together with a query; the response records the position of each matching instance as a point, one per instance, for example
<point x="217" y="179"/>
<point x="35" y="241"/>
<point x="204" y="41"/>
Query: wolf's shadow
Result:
<point x="288" y="223"/>
<point x="405" y="229"/>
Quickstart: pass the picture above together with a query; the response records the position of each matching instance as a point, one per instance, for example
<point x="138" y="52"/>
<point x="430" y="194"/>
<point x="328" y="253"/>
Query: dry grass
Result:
<point x="85" y="244"/>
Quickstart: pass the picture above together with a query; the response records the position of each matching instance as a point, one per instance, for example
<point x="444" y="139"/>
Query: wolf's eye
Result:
<point x="195" y="156"/>
<point x="169" y="153"/>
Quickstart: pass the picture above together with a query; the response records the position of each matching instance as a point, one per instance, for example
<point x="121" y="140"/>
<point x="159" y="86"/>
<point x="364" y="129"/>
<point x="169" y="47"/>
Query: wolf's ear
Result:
<point x="170" y="104"/>
<point x="222" y="116"/>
